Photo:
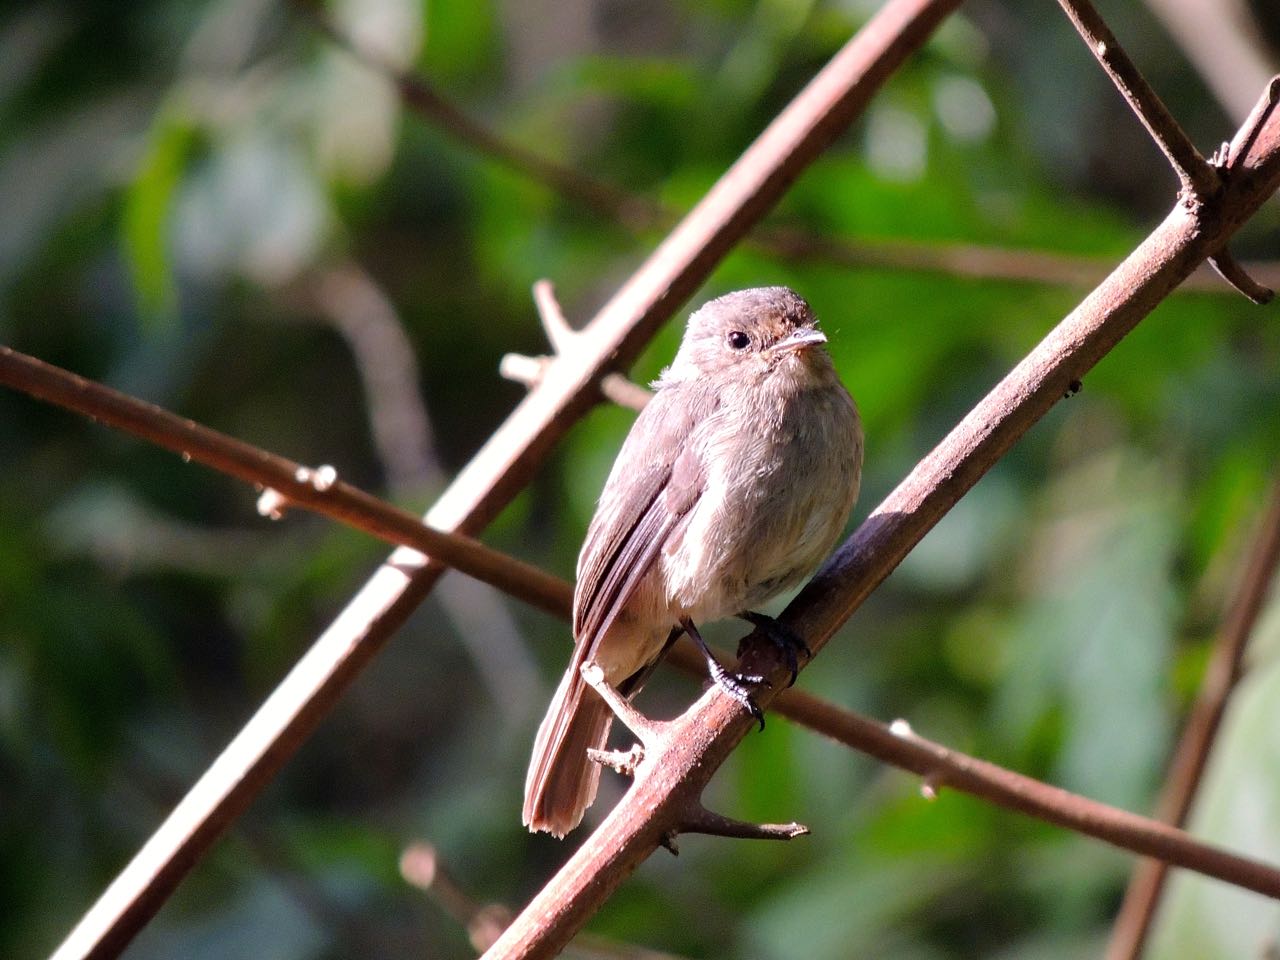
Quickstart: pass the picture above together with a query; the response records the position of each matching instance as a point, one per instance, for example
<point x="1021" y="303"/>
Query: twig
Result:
<point x="358" y="309"/>
<point x="530" y="370"/>
<point x="286" y="483"/>
<point x="630" y="211"/>
<point x="712" y="727"/>
<point x="786" y="242"/>
<point x="1133" y="922"/>
<point x="353" y="303"/>
<point x="421" y="867"/>
<point x="502" y="467"/>
<point x="1199" y="180"/>
<point x="940" y="767"/>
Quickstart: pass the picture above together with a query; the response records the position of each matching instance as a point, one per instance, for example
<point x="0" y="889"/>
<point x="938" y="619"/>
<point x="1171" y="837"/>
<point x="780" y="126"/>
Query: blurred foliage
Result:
<point x="179" y="179"/>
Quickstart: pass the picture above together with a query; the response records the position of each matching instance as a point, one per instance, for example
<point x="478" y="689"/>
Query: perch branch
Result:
<point x="743" y="195"/>
<point x="519" y="580"/>
<point x="713" y="726"/>
<point x="1133" y="922"/>
<point x="1199" y="180"/>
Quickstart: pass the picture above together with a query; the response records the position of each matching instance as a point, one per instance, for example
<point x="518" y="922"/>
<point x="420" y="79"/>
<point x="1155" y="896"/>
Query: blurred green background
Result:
<point x="211" y="206"/>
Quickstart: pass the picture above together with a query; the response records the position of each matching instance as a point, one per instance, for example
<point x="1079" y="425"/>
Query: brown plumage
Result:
<point x="732" y="486"/>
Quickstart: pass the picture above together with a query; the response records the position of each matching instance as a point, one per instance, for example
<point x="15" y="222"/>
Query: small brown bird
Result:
<point x="732" y="486"/>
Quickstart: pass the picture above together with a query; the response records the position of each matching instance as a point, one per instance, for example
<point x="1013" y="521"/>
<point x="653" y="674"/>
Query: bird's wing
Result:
<point x="655" y="482"/>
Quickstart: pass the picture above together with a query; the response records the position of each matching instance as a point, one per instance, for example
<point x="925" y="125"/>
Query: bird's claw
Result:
<point x="787" y="641"/>
<point x="737" y="685"/>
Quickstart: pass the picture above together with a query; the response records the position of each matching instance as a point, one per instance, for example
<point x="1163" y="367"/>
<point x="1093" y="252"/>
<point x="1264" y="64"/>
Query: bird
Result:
<point x="733" y="484"/>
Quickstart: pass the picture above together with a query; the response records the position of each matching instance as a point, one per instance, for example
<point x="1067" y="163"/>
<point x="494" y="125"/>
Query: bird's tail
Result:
<point x="562" y="782"/>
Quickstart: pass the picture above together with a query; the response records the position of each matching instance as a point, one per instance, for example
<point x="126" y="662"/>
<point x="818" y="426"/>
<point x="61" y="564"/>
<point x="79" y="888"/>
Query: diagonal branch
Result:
<point x="614" y="337"/>
<point x="636" y="212"/>
<point x="1133" y="922"/>
<point x="705" y="735"/>
<point x="1199" y="180"/>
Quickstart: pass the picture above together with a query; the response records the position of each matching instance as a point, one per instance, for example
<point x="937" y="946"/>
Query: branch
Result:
<point x="940" y="766"/>
<point x="636" y="212"/>
<point x="284" y="482"/>
<point x="819" y="114"/>
<point x="705" y="735"/>
<point x="1133" y="922"/>
<point x="1199" y="180"/>
<point x="532" y="585"/>
<point x="420" y="95"/>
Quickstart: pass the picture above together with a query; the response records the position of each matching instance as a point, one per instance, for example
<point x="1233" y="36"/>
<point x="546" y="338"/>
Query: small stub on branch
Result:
<point x="623" y="761"/>
<point x="702" y="820"/>
<point x="321" y="479"/>
<point x="930" y="786"/>
<point x="272" y="504"/>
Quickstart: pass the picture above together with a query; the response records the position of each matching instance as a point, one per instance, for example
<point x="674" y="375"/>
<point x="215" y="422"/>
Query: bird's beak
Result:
<point x="801" y="340"/>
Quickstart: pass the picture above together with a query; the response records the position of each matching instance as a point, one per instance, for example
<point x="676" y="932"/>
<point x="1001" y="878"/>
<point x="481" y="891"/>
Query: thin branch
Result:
<point x="1231" y="271"/>
<point x="421" y="867"/>
<point x="1199" y="180"/>
<point x="637" y="212"/>
<point x="708" y="732"/>
<point x="941" y="766"/>
<point x="632" y="212"/>
<point x="353" y="303"/>
<point x="292" y="483"/>
<point x="819" y="114"/>
<point x="1133" y="923"/>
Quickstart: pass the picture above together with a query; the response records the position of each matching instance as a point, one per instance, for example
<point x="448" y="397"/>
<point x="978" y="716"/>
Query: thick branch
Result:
<point x="710" y="730"/>
<point x="614" y="337"/>
<point x="1133" y="923"/>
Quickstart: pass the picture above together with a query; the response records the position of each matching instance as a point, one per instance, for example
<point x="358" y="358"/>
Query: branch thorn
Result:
<point x="1229" y="269"/>
<point x="624" y="762"/>
<point x="702" y="820"/>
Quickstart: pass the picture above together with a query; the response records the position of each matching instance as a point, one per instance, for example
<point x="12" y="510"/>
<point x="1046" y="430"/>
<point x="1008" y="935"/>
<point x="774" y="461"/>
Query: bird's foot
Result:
<point x="736" y="685"/>
<point x="786" y="640"/>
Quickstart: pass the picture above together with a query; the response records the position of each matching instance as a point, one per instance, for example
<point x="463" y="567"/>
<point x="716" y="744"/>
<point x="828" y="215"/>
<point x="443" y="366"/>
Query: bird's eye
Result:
<point x="738" y="340"/>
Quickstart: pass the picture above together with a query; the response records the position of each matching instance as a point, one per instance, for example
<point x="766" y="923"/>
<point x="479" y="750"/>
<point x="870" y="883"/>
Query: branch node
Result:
<point x="523" y="369"/>
<point x="901" y="728"/>
<point x="701" y="820"/>
<point x="624" y="762"/>
<point x="930" y="786"/>
<point x="1229" y="269"/>
<point x="273" y="504"/>
<point x="646" y="730"/>
<point x="668" y="843"/>
<point x="321" y="479"/>
<point x="1232" y="154"/>
<point x="1197" y="176"/>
